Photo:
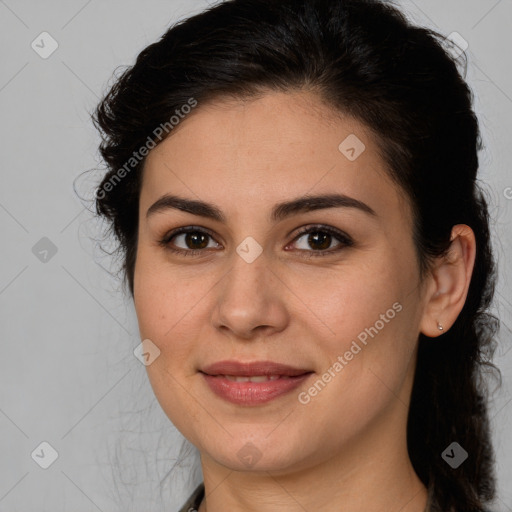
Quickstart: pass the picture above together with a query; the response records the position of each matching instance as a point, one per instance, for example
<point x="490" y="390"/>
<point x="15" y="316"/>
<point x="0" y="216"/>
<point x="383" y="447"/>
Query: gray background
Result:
<point x="67" y="372"/>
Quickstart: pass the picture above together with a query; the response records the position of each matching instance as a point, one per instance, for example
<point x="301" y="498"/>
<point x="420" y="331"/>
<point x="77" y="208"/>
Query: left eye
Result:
<point x="320" y="239"/>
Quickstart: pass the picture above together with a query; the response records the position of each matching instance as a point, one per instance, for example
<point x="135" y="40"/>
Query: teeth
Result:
<point x="254" y="378"/>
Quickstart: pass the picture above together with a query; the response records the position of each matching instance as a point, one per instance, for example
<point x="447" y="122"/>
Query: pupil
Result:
<point x="323" y="240"/>
<point x="192" y="239"/>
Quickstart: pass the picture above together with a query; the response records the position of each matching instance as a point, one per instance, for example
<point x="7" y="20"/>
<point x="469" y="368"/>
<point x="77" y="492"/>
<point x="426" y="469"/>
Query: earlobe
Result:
<point x="450" y="282"/>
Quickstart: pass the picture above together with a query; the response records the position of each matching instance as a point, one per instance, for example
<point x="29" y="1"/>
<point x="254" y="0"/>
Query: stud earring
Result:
<point x="439" y="326"/>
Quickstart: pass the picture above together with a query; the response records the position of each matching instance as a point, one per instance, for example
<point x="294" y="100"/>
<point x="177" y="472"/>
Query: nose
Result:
<point x="250" y="300"/>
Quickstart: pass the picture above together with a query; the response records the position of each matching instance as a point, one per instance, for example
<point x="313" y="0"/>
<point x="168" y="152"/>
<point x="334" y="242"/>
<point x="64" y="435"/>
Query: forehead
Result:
<point x="268" y="149"/>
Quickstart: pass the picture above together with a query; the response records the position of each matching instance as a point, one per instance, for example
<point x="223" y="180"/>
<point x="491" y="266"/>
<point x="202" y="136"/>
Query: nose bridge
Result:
<point x="249" y="270"/>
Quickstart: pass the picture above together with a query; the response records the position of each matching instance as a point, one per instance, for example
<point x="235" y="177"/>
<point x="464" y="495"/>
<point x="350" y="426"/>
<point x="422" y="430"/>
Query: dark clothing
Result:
<point x="192" y="504"/>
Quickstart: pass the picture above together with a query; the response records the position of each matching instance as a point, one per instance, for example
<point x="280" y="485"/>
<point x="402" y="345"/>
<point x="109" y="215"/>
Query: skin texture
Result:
<point x="344" y="450"/>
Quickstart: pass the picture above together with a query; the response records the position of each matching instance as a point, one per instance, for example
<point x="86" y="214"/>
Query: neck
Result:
<point x="373" y="473"/>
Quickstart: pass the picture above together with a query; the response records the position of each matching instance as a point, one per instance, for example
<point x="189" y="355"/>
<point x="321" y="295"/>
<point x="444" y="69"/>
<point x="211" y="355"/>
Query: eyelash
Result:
<point x="345" y="240"/>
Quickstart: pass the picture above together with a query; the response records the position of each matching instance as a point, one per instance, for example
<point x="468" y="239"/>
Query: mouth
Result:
<point x="253" y="383"/>
<point x="255" y="378"/>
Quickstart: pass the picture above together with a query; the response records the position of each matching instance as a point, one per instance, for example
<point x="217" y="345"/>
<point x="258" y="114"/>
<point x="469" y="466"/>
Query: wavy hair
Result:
<point x="365" y="59"/>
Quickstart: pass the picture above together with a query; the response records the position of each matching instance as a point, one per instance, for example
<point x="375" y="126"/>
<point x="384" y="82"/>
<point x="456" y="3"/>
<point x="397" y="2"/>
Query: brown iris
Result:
<point x="319" y="240"/>
<point x="196" y="240"/>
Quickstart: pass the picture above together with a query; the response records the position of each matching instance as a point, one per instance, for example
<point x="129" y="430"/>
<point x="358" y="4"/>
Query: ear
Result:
<point x="449" y="283"/>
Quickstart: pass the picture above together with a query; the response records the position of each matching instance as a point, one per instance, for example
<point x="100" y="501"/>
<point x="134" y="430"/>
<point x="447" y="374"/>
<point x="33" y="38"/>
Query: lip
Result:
<point x="285" y="379"/>
<point x="239" y="369"/>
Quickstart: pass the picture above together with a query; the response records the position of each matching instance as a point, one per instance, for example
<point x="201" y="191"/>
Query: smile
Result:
<point x="252" y="384"/>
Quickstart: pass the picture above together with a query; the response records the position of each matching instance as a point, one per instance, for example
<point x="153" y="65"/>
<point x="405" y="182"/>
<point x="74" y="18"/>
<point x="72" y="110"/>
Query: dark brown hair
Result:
<point x="363" y="58"/>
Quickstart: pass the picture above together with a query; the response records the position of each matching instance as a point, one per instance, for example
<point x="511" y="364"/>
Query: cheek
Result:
<point x="363" y="376"/>
<point x="162" y="296"/>
<point x="167" y="321"/>
<point x="169" y="304"/>
<point x="352" y="298"/>
<point x="368" y="336"/>
<point x="162" y="306"/>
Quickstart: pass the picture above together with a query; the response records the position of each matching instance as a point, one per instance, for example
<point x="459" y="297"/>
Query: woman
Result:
<point x="293" y="187"/>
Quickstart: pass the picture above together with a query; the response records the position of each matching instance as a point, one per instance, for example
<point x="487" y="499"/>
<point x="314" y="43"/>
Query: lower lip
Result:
<point x="252" y="393"/>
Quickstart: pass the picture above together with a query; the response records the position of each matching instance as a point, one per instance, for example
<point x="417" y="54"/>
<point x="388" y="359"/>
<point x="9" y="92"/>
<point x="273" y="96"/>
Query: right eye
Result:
<point x="192" y="239"/>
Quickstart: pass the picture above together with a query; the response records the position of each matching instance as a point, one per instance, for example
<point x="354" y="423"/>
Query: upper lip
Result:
<point x="252" y="369"/>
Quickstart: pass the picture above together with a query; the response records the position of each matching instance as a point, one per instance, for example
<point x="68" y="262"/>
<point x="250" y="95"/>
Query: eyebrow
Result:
<point x="280" y="211"/>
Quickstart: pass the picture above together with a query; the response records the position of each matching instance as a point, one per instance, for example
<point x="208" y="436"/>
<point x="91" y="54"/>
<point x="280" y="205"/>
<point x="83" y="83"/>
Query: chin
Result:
<point x="255" y="453"/>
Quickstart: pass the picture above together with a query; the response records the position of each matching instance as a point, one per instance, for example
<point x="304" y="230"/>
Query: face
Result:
<point x="287" y="328"/>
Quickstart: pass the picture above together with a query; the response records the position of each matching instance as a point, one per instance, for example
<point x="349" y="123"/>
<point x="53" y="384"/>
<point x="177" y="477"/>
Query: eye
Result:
<point x="318" y="240"/>
<point x="189" y="240"/>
